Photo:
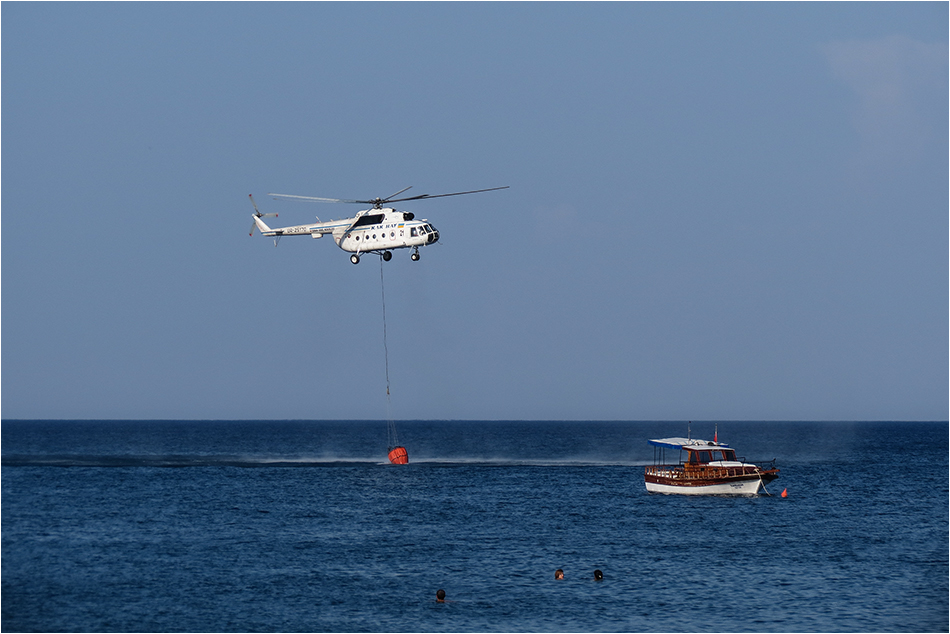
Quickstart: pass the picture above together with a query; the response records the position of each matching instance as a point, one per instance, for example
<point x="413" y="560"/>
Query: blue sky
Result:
<point x="717" y="211"/>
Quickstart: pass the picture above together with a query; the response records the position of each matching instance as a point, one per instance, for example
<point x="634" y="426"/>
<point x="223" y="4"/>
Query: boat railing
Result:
<point x="764" y="465"/>
<point x="702" y="471"/>
<point x="665" y="470"/>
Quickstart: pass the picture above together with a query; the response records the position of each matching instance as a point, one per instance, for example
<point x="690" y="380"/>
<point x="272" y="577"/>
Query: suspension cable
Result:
<point x="390" y="424"/>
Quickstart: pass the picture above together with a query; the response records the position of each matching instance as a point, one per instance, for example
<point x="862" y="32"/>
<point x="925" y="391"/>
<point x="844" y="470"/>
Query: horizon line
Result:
<point x="489" y="420"/>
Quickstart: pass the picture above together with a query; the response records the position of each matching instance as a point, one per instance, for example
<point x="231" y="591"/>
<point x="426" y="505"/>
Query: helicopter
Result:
<point x="379" y="230"/>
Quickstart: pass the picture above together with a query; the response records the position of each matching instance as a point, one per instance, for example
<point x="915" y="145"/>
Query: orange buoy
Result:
<point x="398" y="455"/>
<point x="784" y="491"/>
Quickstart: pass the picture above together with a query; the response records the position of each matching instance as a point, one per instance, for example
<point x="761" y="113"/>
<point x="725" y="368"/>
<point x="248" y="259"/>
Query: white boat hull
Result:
<point x="743" y="487"/>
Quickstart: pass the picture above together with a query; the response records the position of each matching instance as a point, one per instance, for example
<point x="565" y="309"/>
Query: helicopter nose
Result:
<point x="433" y="236"/>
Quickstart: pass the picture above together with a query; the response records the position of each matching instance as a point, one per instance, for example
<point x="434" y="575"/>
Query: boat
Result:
<point x="708" y="468"/>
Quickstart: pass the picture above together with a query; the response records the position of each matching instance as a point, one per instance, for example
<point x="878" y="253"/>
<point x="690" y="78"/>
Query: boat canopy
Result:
<point x="686" y="443"/>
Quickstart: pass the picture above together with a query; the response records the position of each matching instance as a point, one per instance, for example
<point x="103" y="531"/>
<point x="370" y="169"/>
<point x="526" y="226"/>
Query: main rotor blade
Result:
<point x="317" y="199"/>
<point x="379" y="201"/>
<point x="387" y="198"/>
<point x="314" y="199"/>
<point x="425" y="196"/>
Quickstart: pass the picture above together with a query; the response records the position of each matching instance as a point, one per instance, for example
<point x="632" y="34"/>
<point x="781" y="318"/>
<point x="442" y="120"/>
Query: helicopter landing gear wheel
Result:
<point x="355" y="259"/>
<point x="387" y="255"/>
<point x="415" y="256"/>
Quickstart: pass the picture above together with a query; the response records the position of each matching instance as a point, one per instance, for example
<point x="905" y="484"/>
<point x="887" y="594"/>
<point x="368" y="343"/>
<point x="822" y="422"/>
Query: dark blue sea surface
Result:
<point x="304" y="526"/>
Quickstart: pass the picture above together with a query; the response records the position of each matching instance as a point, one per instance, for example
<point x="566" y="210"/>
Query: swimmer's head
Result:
<point x="440" y="595"/>
<point x="558" y="574"/>
<point x="598" y="575"/>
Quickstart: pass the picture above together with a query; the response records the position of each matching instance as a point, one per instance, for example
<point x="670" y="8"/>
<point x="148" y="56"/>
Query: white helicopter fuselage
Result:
<point x="370" y="231"/>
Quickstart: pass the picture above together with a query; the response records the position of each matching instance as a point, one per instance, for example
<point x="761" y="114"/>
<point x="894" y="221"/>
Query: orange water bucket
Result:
<point x="398" y="455"/>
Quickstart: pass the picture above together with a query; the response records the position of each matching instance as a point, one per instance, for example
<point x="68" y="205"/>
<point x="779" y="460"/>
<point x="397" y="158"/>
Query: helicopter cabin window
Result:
<point x="368" y="219"/>
<point x="412" y="232"/>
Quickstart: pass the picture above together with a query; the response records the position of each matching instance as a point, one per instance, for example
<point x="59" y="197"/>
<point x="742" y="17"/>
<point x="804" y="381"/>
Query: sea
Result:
<point x="304" y="526"/>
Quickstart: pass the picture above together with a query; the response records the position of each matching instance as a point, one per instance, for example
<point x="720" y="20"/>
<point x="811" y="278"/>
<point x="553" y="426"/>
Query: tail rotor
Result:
<point x="257" y="214"/>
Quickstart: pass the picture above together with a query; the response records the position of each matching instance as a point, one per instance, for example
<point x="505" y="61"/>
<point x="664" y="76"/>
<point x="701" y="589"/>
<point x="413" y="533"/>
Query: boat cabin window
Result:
<point x="699" y="457"/>
<point x="715" y="455"/>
